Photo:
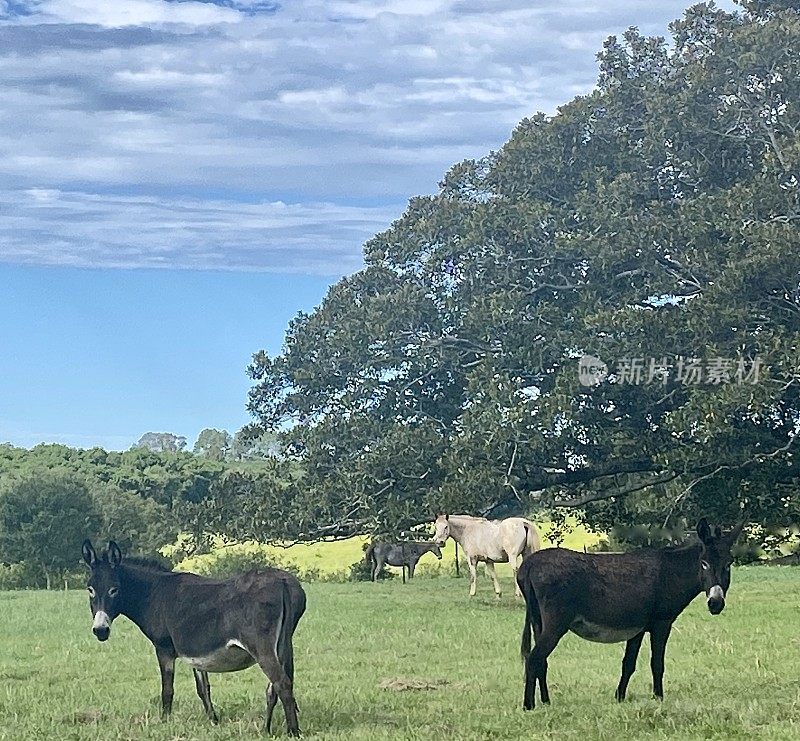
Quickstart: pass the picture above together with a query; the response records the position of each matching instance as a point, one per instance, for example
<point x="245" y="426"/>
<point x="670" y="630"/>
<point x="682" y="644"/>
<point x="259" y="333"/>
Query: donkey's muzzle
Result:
<point x="101" y="625"/>
<point x="716" y="600"/>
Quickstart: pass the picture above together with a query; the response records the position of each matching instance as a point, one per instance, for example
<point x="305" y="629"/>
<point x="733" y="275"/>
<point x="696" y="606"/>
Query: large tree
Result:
<point x="161" y="442"/>
<point x="44" y="517"/>
<point x="656" y="218"/>
<point x="214" y="444"/>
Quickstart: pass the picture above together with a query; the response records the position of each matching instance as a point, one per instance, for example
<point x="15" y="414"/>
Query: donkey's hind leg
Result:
<point x="536" y="663"/>
<point x="272" y="694"/>
<point x="272" y="701"/>
<point x="204" y="693"/>
<point x="280" y="684"/>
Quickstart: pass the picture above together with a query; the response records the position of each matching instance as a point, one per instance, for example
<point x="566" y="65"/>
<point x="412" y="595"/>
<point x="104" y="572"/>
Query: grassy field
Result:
<point x="360" y="647"/>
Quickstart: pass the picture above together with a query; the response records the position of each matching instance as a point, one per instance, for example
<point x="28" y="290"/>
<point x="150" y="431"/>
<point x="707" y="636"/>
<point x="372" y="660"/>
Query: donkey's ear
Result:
<point x="717" y="532"/>
<point x="447" y="517"/>
<point x="114" y="553"/>
<point x="703" y="530"/>
<point x="89" y="554"/>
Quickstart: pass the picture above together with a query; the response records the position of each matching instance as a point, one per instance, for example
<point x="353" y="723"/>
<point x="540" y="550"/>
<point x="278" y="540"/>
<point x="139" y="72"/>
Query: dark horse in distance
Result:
<point x="215" y="626"/>
<point x="613" y="597"/>
<point x="405" y="554"/>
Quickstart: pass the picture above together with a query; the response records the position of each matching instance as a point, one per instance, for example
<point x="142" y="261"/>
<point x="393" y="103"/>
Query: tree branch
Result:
<point x="610" y="493"/>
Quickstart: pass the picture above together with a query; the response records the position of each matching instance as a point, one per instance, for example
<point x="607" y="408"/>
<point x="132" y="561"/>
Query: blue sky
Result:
<point x="179" y="177"/>
<point x="100" y="356"/>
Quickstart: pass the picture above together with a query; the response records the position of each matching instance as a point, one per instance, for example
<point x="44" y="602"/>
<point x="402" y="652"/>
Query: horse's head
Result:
<point x="104" y="587"/>
<point x="441" y="529"/>
<point x="715" y="563"/>
<point x="434" y="548"/>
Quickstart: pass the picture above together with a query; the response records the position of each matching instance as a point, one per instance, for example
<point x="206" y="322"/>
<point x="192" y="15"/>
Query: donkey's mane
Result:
<point x="152" y="564"/>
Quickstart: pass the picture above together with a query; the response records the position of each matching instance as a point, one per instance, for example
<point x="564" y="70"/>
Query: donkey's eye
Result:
<point x="91" y="592"/>
<point x="113" y="592"/>
<point x="705" y="565"/>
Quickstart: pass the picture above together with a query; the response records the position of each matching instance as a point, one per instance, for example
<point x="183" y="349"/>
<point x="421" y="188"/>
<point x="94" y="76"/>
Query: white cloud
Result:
<point x="120" y="13"/>
<point x="138" y="105"/>
<point x="51" y="227"/>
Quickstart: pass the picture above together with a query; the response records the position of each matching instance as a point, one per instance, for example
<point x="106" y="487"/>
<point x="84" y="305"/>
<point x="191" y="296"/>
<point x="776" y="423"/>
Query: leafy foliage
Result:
<point x="214" y="444"/>
<point x="139" y="526"/>
<point x="43" y="516"/>
<point x="161" y="442"/>
<point x="143" y="499"/>
<point x="654" y="218"/>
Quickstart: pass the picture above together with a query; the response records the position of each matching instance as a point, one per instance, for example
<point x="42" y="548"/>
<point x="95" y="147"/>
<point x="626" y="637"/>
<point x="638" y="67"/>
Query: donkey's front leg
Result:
<point x="628" y="665"/>
<point x="659" y="635"/>
<point x="166" y="663"/>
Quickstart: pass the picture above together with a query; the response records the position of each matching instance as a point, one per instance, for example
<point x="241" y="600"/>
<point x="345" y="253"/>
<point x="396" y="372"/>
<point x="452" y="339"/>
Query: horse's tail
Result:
<point x="369" y="554"/>
<point x="532" y="542"/>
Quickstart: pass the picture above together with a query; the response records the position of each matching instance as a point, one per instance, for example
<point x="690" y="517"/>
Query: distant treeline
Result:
<point x="54" y="496"/>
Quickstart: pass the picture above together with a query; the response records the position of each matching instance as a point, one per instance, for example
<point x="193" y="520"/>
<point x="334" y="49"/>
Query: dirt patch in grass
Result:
<point x="404" y="684"/>
<point x="82" y="717"/>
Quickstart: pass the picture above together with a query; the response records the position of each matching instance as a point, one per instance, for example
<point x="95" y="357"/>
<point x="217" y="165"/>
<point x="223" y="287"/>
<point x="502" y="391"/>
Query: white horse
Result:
<point x="490" y="541"/>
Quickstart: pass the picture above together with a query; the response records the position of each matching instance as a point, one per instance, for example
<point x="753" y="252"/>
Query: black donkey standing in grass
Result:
<point x="614" y="597"/>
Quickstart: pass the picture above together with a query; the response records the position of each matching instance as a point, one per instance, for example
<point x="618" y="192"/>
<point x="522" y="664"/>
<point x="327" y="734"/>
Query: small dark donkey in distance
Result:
<point x="406" y="554"/>
<point x="613" y="597"/>
<point x="215" y="626"/>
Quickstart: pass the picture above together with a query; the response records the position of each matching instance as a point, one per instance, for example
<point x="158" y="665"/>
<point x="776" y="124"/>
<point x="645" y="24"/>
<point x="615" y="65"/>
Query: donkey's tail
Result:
<point x="533" y="616"/>
<point x="284" y="642"/>
<point x="369" y="553"/>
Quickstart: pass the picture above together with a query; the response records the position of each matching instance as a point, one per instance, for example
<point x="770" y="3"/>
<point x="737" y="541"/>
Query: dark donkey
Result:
<point x="613" y="597"/>
<point x="215" y="626"/>
<point x="406" y="554"/>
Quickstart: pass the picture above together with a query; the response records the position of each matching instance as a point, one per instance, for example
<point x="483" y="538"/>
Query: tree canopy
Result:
<point x="214" y="444"/>
<point x="144" y="499"/>
<point x="652" y="225"/>
<point x="44" y="517"/>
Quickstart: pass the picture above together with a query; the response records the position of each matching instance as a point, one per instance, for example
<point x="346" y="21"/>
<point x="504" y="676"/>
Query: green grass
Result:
<point x="727" y="677"/>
